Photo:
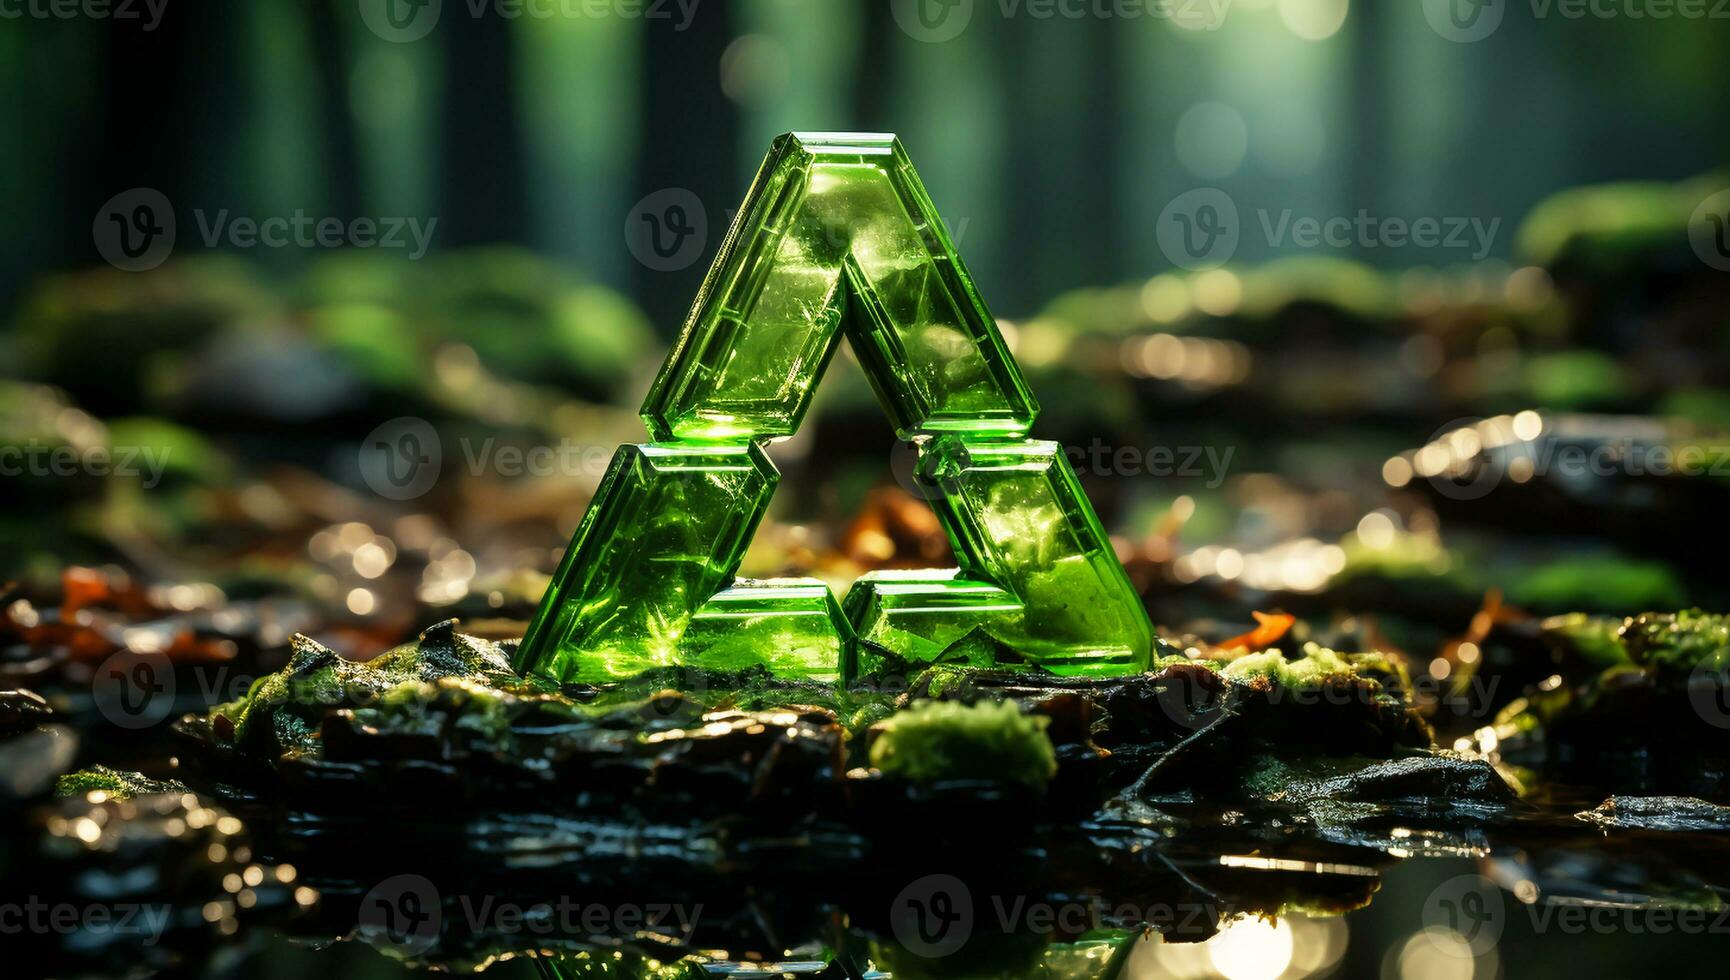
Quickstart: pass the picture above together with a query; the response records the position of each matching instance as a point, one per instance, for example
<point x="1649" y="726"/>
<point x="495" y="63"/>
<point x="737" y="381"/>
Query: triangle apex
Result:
<point x="855" y="142"/>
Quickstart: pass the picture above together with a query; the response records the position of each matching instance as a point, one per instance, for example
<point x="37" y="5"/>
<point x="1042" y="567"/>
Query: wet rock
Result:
<point x="1439" y="779"/>
<point x="154" y="883"/>
<point x="444" y="718"/>
<point x="22" y="710"/>
<point x="31" y="762"/>
<point x="1665" y="813"/>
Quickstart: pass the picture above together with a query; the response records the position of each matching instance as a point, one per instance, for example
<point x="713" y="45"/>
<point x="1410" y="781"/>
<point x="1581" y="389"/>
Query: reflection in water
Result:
<point x="1289" y="948"/>
<point x="1439" y="953"/>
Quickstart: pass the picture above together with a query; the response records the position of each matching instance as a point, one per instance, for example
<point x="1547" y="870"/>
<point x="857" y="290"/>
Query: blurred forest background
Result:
<point x="1055" y="139"/>
<point x="1573" y="296"/>
<point x="1370" y="436"/>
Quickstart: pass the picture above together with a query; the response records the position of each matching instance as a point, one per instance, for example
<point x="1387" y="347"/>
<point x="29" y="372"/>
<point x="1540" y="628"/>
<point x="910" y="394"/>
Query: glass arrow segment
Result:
<point x="837" y="236"/>
<point x="663" y="535"/>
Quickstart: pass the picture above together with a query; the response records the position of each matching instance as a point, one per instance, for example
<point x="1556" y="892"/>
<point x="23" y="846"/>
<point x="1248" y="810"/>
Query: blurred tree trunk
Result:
<point x="1368" y="164"/>
<point x="690" y="139"/>
<point x="484" y="163"/>
<point x="335" y="110"/>
<point x="871" y="86"/>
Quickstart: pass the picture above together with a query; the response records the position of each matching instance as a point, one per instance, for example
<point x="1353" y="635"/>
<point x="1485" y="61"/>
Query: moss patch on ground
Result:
<point x="933" y="741"/>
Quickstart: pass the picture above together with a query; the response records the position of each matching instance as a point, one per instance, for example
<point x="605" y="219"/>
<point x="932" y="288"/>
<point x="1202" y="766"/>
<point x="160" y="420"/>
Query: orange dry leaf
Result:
<point x="1271" y="626"/>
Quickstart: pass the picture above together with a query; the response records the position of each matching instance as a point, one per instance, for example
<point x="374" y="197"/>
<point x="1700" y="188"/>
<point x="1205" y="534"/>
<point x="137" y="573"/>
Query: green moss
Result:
<point x="1407" y="556"/>
<point x="1606" y="582"/>
<point x="941" y="740"/>
<point x="1702" y="406"/>
<point x="1600" y="221"/>
<point x="1317" y="665"/>
<point x="1679" y="642"/>
<point x="1670" y="647"/>
<point x="376" y="340"/>
<point x="118" y="785"/>
<point x="1575" y="380"/>
<point x="1162" y="661"/>
<point x="290" y="703"/>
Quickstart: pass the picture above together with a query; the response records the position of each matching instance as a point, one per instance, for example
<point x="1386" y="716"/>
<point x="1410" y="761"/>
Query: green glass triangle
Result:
<point x="837" y="237"/>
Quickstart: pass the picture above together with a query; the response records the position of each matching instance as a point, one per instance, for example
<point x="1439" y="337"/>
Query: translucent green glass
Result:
<point x="791" y="625"/>
<point x="918" y="614"/>
<point x="1018" y="519"/>
<point x="837" y="235"/>
<point x="663" y="535"/>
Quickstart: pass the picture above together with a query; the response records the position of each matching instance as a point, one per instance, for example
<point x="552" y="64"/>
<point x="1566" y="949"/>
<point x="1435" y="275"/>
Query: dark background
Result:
<point x="1053" y="139"/>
